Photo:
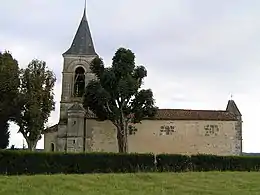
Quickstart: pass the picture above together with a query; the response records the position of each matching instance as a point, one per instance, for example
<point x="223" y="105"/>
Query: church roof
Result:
<point x="181" y="114"/>
<point x="232" y="107"/>
<point x="82" y="43"/>
<point x="51" y="129"/>
<point x="185" y="114"/>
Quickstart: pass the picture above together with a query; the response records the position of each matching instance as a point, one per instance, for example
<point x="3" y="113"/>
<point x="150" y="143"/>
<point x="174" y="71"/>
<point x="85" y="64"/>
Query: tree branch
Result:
<point x="108" y="108"/>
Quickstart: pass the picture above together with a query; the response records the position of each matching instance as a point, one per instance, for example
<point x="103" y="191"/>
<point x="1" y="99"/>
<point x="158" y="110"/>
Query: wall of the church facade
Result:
<point x="181" y="137"/>
<point x="50" y="139"/>
<point x="161" y="136"/>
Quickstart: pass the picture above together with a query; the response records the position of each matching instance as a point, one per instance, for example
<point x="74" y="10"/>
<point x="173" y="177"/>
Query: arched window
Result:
<point x="79" y="82"/>
<point x="52" y="147"/>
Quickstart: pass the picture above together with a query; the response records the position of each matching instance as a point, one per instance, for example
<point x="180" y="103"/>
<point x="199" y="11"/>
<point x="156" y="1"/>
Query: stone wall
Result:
<point x="49" y="139"/>
<point x="69" y="66"/>
<point x="159" y="136"/>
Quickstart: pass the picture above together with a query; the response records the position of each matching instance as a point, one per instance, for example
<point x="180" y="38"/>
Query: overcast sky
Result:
<point x="197" y="52"/>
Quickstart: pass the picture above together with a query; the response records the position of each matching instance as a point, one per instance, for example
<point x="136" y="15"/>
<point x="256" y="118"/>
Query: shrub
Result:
<point x="13" y="162"/>
<point x="209" y="163"/>
<point x="24" y="162"/>
<point x="201" y="162"/>
<point x="225" y="163"/>
<point x="173" y="162"/>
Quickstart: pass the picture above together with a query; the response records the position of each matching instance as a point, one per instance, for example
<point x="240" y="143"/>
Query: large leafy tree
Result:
<point x="116" y="94"/>
<point x="9" y="84"/>
<point x="36" y="101"/>
<point x="4" y="134"/>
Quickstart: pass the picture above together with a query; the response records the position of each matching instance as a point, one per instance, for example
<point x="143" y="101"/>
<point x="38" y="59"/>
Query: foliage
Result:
<point x="116" y="94"/>
<point x="14" y="162"/>
<point x="9" y="84"/>
<point x="173" y="162"/>
<point x="36" y="100"/>
<point x="225" y="163"/>
<point x="4" y="135"/>
<point x="25" y="162"/>
<point x="179" y="163"/>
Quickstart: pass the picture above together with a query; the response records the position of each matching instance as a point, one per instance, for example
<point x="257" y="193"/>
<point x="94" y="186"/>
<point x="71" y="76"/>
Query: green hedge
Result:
<point x="225" y="163"/>
<point x="23" y="162"/>
<point x="173" y="162"/>
<point x="180" y="163"/>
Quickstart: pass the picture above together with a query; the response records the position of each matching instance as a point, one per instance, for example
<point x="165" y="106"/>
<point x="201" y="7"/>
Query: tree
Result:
<point x="36" y="101"/>
<point x="4" y="135"/>
<point x="9" y="84"/>
<point x="116" y="95"/>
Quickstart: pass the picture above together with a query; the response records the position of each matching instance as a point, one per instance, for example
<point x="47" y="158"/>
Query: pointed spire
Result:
<point x="82" y="43"/>
<point x="85" y="10"/>
<point x="232" y="107"/>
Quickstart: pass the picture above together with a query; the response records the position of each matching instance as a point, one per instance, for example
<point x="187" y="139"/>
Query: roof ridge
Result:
<point x="191" y="109"/>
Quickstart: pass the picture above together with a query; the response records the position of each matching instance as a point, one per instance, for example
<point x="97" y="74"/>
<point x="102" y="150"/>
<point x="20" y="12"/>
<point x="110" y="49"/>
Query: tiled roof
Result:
<point x="183" y="114"/>
<point x="180" y="114"/>
<point x="51" y="129"/>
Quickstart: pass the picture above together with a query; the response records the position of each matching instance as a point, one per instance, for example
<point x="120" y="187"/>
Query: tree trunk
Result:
<point x="31" y="145"/>
<point x="122" y="139"/>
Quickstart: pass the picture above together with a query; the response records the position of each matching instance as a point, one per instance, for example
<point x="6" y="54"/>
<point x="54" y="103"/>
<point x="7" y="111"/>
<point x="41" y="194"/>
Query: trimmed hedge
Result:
<point x="24" y="162"/>
<point x="173" y="162"/>
<point x="225" y="163"/>
<point x="181" y="163"/>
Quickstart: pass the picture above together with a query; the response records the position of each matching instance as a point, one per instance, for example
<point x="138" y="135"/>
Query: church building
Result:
<point x="176" y="131"/>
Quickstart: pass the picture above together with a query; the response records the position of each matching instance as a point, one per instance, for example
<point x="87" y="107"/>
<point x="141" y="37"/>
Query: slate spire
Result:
<point x="232" y="107"/>
<point x="82" y="43"/>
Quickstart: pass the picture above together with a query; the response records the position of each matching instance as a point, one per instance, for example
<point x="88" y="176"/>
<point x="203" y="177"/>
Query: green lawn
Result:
<point x="149" y="184"/>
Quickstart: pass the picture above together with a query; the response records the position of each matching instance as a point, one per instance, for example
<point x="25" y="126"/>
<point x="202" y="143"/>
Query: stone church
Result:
<point x="178" y="131"/>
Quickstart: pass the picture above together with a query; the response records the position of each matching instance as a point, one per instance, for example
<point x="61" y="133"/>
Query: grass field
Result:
<point x="151" y="184"/>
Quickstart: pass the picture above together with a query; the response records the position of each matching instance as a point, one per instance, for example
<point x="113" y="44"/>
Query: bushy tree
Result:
<point x="9" y="84"/>
<point x="116" y="94"/>
<point x="36" y="100"/>
<point x="4" y="135"/>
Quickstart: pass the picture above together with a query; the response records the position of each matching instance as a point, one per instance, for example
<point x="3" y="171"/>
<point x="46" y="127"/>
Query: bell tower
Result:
<point x="75" y="76"/>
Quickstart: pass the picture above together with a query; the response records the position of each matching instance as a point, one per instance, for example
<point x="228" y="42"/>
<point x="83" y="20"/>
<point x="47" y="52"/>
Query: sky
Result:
<point x="197" y="53"/>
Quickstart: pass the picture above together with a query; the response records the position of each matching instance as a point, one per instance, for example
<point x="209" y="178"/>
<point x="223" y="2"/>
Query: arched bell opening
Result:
<point x="79" y="82"/>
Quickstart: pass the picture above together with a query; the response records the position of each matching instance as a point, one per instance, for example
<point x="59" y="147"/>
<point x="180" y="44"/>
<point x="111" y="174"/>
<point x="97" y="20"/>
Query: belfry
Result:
<point x="75" y="76"/>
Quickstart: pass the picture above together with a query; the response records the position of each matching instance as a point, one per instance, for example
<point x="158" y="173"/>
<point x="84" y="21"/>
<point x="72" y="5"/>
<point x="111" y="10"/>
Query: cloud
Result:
<point x="197" y="53"/>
